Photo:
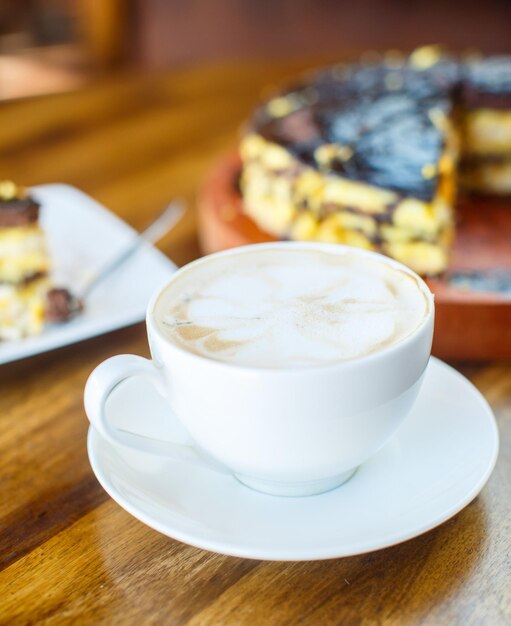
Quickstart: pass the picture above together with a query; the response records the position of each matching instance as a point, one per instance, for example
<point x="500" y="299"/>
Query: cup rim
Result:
<point x="305" y="245"/>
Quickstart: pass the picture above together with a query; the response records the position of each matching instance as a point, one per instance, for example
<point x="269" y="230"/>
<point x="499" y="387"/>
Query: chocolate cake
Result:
<point x="24" y="264"/>
<point x="367" y="153"/>
<point x="486" y="125"/>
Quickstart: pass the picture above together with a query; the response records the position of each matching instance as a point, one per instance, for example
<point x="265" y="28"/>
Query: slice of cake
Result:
<point x="362" y="154"/>
<point x="486" y="125"/>
<point x="24" y="264"/>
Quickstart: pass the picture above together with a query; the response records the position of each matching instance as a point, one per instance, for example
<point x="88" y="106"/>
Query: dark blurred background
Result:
<point x="53" y="45"/>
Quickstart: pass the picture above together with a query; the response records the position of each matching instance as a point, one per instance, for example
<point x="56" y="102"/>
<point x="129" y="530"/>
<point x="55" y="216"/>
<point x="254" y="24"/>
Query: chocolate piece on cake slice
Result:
<point x="61" y="305"/>
<point x="24" y="264"/>
<point x="361" y="154"/>
<point x="486" y="124"/>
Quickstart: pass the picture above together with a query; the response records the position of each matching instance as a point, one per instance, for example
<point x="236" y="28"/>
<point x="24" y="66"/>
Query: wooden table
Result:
<point x="68" y="553"/>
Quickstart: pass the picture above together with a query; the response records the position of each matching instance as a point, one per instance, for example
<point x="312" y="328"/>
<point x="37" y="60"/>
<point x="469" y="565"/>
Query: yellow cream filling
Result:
<point x="22" y="309"/>
<point x="289" y="199"/>
<point x="487" y="177"/>
<point x="486" y="132"/>
<point x="22" y="253"/>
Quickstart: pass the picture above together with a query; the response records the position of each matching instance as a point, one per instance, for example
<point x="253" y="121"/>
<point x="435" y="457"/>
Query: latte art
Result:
<point x="290" y="308"/>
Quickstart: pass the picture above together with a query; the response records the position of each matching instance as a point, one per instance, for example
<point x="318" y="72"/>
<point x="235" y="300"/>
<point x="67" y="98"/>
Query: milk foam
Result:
<point x="290" y="309"/>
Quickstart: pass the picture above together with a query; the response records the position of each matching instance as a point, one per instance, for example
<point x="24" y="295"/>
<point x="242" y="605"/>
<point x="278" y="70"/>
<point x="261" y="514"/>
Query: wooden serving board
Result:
<point x="470" y="323"/>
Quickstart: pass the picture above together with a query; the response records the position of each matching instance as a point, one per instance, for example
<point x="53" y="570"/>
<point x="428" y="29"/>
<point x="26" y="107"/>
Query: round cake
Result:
<point x="369" y="153"/>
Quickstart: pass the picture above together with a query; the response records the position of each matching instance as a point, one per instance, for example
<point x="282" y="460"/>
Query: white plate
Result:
<point x="436" y="464"/>
<point x="83" y="236"/>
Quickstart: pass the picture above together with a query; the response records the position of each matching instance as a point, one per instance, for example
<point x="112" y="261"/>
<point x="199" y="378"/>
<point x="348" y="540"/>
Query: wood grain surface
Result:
<point x="68" y="553"/>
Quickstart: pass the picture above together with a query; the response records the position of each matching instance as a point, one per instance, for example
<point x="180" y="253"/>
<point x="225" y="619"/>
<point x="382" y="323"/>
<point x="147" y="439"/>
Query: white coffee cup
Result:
<point x="282" y="431"/>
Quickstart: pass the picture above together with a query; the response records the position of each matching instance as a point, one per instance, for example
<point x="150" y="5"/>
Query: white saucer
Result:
<point x="436" y="464"/>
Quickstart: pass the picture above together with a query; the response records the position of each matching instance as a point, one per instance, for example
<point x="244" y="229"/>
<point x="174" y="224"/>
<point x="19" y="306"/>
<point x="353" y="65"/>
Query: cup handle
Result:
<point x="98" y="389"/>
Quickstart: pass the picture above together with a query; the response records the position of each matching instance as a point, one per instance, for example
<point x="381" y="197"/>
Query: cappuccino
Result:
<point x="290" y="308"/>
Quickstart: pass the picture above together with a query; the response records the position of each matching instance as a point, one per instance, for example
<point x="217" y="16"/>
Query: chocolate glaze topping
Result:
<point x="18" y="212"/>
<point x="487" y="83"/>
<point x="380" y="115"/>
<point x="392" y="138"/>
<point x="490" y="74"/>
<point x="383" y="116"/>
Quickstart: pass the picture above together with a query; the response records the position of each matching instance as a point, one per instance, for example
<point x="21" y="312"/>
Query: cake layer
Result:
<point x="486" y="132"/>
<point x="485" y="125"/>
<point x="23" y="253"/>
<point x="22" y="308"/>
<point x="490" y="175"/>
<point x="290" y="200"/>
<point x="417" y="234"/>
